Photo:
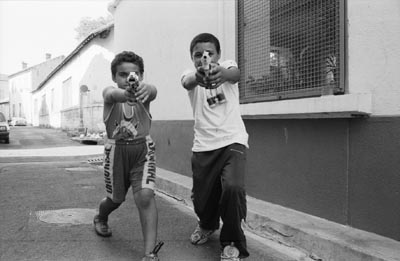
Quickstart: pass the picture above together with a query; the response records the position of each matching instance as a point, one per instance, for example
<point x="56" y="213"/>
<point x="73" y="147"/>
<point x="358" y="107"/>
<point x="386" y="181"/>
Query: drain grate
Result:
<point x="96" y="161"/>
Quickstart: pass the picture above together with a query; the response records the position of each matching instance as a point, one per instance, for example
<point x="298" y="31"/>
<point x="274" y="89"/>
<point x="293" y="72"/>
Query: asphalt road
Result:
<point x="47" y="209"/>
<point x="28" y="137"/>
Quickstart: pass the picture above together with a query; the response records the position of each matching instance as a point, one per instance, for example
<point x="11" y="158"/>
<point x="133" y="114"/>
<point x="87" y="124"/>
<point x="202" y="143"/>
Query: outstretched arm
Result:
<point x="112" y="95"/>
<point x="145" y="92"/>
<point x="189" y="81"/>
<point x="219" y="75"/>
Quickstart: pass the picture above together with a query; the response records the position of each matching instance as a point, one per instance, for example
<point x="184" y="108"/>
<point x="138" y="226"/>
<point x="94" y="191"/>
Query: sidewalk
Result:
<point x="54" y="152"/>
<point x="317" y="238"/>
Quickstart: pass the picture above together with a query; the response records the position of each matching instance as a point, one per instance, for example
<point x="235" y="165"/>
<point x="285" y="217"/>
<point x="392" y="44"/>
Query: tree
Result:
<point x="88" y="25"/>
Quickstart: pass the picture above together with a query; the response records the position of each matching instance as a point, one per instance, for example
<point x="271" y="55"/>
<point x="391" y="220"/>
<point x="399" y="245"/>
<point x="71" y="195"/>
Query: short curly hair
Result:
<point x="205" y="38"/>
<point x="127" y="57"/>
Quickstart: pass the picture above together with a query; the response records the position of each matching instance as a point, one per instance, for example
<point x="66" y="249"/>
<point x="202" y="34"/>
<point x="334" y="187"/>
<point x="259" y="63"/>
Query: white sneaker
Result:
<point x="200" y="236"/>
<point x="230" y="253"/>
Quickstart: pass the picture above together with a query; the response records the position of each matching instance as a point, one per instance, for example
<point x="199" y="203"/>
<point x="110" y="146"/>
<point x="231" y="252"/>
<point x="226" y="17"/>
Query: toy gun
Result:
<point x="133" y="80"/>
<point x="206" y="62"/>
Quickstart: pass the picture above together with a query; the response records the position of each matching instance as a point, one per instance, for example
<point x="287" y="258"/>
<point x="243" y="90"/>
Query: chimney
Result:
<point x="24" y="65"/>
<point x="48" y="56"/>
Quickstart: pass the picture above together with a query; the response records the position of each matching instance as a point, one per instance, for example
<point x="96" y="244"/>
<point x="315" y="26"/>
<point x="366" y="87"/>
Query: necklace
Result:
<point x="132" y="113"/>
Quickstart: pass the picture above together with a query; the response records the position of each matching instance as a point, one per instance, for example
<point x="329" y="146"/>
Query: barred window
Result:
<point x="290" y="48"/>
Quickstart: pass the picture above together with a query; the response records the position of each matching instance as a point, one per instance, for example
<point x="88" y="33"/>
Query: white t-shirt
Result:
<point x="221" y="125"/>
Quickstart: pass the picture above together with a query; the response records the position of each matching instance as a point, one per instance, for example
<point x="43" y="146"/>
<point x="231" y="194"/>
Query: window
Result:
<point x="52" y="99"/>
<point x="290" y="49"/>
<point x="43" y="108"/>
<point x="35" y="107"/>
<point x="2" y="93"/>
<point x="2" y="117"/>
<point x="67" y="93"/>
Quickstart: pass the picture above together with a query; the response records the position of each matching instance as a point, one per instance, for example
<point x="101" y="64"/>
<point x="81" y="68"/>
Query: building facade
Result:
<point x="22" y="83"/>
<point x="319" y="93"/>
<point x="70" y="97"/>
<point x="4" y="96"/>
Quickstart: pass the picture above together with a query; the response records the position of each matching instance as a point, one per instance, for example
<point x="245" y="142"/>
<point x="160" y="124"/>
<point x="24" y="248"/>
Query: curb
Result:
<point x="32" y="159"/>
<point x="320" y="239"/>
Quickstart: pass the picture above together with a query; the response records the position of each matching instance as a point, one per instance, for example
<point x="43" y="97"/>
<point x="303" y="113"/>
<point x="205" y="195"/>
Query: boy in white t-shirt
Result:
<point x="219" y="147"/>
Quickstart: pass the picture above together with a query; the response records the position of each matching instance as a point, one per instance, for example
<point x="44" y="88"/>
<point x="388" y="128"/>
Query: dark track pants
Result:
<point x="218" y="192"/>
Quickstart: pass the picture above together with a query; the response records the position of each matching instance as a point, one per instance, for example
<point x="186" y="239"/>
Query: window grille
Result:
<point x="290" y="48"/>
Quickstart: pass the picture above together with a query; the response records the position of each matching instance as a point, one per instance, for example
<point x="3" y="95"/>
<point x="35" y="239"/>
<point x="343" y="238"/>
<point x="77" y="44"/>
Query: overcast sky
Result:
<point x="29" y="29"/>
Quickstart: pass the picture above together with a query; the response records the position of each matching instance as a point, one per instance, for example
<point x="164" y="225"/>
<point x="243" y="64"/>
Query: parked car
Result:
<point x="4" y="129"/>
<point x="18" y="121"/>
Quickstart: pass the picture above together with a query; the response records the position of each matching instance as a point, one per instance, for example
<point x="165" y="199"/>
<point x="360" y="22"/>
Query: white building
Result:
<point x="4" y="96"/>
<point x="70" y="97"/>
<point x="22" y="83"/>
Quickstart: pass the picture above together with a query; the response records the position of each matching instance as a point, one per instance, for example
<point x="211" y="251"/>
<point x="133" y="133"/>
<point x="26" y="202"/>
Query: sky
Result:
<point x="31" y="28"/>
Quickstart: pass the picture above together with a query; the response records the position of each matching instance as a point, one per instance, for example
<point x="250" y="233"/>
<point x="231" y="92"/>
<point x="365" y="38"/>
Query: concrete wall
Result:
<point x="373" y="56"/>
<point x="162" y="38"/>
<point x="343" y="170"/>
<point x="92" y="118"/>
<point x="374" y="180"/>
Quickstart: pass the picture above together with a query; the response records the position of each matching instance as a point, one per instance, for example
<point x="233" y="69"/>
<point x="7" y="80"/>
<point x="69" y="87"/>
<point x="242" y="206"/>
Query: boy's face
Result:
<point x="198" y="50"/>
<point x="123" y="70"/>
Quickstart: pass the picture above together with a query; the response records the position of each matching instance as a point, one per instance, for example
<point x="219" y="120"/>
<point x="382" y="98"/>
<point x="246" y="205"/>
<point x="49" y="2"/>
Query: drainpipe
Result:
<point x="83" y="90"/>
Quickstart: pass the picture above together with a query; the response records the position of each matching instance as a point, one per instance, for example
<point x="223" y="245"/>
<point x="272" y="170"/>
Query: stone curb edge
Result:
<point x="319" y="238"/>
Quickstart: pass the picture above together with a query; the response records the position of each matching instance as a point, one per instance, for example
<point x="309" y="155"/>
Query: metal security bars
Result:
<point x="290" y="48"/>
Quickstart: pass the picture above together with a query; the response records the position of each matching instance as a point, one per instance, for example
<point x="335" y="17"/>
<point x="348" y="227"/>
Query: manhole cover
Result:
<point x="74" y="216"/>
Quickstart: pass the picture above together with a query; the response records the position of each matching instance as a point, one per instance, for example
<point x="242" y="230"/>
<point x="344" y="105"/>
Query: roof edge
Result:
<point x="113" y="5"/>
<point x="89" y="38"/>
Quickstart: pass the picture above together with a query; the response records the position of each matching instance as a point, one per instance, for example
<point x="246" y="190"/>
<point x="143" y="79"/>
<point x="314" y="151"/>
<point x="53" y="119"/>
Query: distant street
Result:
<point x="27" y="137"/>
<point x="47" y="208"/>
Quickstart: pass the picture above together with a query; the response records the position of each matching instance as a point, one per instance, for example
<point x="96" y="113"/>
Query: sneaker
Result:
<point x="200" y="236"/>
<point x="101" y="227"/>
<point x="150" y="257"/>
<point x="230" y="253"/>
